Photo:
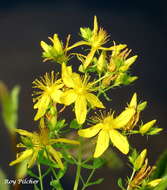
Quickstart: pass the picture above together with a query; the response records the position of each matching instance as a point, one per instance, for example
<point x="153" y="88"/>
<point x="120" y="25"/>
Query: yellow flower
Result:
<point x="107" y="128"/>
<point x="49" y="92"/>
<point x="95" y="38"/>
<point x="79" y="92"/>
<point x="35" y="142"/>
<point x="55" y="52"/>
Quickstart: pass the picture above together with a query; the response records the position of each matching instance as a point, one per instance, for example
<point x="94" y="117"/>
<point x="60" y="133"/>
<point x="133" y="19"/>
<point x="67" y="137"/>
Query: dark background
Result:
<point x="140" y="24"/>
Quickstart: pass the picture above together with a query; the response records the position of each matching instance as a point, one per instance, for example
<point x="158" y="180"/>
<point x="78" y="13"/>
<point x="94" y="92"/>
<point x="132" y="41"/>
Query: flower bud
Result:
<point x="140" y="159"/>
<point x="154" y="182"/>
<point x="128" y="63"/>
<point x="141" y="106"/>
<point x="101" y="61"/>
<point x="145" y="128"/>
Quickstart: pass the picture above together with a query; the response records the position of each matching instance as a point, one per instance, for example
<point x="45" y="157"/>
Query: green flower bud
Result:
<point x="142" y="106"/>
<point x="140" y="159"/>
<point x="101" y="62"/>
<point x="146" y="127"/>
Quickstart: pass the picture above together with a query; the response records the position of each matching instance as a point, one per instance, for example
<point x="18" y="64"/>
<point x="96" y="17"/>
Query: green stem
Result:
<point x="78" y="172"/>
<point x="40" y="176"/>
<point x="89" y="178"/>
<point x="130" y="180"/>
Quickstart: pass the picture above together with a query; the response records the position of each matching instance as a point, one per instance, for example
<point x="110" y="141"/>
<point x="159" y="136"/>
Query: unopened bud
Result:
<point x="154" y="182"/>
<point x="145" y="128"/>
<point x="101" y="62"/>
<point x="140" y="160"/>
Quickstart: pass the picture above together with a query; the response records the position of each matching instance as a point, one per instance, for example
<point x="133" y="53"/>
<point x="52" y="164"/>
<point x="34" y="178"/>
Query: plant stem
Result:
<point x="78" y="172"/>
<point x="89" y="178"/>
<point x="40" y="176"/>
<point x="133" y="173"/>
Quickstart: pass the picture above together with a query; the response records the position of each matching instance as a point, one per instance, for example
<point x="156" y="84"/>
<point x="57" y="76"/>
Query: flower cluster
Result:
<point x="83" y="90"/>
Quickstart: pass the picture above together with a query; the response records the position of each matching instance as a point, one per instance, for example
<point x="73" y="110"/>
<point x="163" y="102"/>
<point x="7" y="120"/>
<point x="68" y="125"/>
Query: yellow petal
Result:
<point x="95" y="27"/>
<point x="68" y="97"/>
<point x="124" y="118"/>
<point x="80" y="109"/>
<point x="55" y="155"/>
<point x="33" y="159"/>
<point x="119" y="141"/>
<point x="94" y="101"/>
<point x="77" y="80"/>
<point x="91" y="131"/>
<point x="80" y="43"/>
<point x="56" y="43"/>
<point x="67" y="76"/>
<point x="89" y="58"/>
<point x="56" y="95"/>
<point x="24" y="155"/>
<point x="42" y="106"/>
<point x="115" y="48"/>
<point x="45" y="46"/>
<point x="24" y="132"/>
<point x="133" y="102"/>
<point x="52" y="141"/>
<point x="102" y="143"/>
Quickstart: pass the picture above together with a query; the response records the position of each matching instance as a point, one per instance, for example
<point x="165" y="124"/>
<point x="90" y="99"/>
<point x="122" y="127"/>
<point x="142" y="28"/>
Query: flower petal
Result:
<point x="42" y="106"/>
<point x="124" y="118"/>
<point x="119" y="141"/>
<point x="55" y="155"/>
<point x="63" y="140"/>
<point x="56" y="96"/>
<point x="33" y="159"/>
<point x="24" y="132"/>
<point x="68" y="97"/>
<point x="94" y="101"/>
<point x="80" y="109"/>
<point x="91" y="131"/>
<point x="67" y="76"/>
<point x="102" y="143"/>
<point x="133" y="102"/>
<point x="24" y="155"/>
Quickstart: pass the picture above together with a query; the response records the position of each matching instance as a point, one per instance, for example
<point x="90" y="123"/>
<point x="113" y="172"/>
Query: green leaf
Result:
<point x="86" y="33"/>
<point x="88" y="166"/>
<point x="61" y="173"/>
<point x="133" y="156"/>
<point x="3" y="185"/>
<point x="56" y="184"/>
<point x="98" y="163"/>
<point x="31" y="173"/>
<point x="36" y="187"/>
<point x="95" y="182"/>
<point x="120" y="184"/>
<point x="74" y="124"/>
<point x="60" y="124"/>
<point x="68" y="157"/>
<point x="9" y="102"/>
<point x="45" y="161"/>
<point x="161" y="166"/>
<point x="162" y="185"/>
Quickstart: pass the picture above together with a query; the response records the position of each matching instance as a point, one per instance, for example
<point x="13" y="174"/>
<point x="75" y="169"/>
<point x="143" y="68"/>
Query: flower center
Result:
<point x="80" y="91"/>
<point x="108" y="123"/>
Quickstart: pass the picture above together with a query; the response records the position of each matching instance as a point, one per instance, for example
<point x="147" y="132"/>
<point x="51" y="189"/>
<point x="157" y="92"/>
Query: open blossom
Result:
<point x="79" y="92"/>
<point x="35" y="142"/>
<point x="49" y="92"/>
<point x="108" y="127"/>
